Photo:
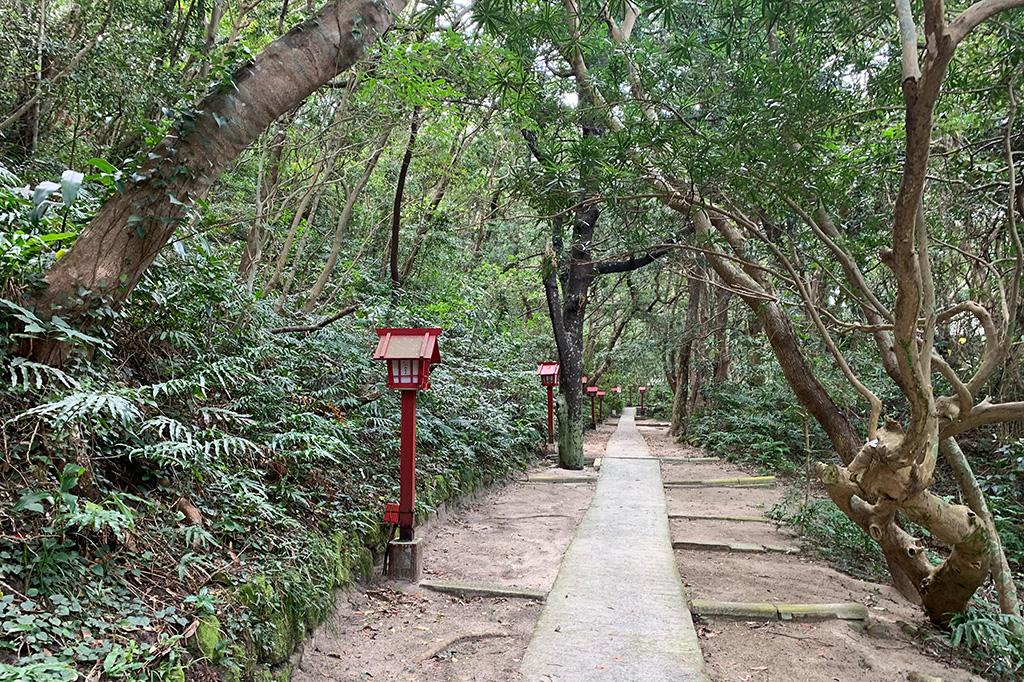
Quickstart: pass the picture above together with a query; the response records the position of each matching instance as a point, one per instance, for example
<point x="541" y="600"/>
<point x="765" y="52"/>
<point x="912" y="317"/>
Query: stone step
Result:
<point x="730" y="546"/>
<point x="545" y="478"/>
<point x="778" y="611"/>
<point x="465" y="589"/>
<point x="668" y="460"/>
<point x="743" y="481"/>
<point x="712" y="517"/>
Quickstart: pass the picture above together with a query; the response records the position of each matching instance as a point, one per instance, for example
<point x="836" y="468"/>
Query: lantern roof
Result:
<point x="413" y="343"/>
<point x="591" y="389"/>
<point x="641" y="388"/>
<point x="600" y="394"/>
<point x="617" y="389"/>
<point x="548" y="368"/>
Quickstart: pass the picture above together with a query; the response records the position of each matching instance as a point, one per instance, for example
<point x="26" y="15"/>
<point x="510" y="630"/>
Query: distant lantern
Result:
<point x="617" y="389"/>
<point x="583" y="379"/>
<point x="592" y="392"/>
<point x="642" y="390"/>
<point x="549" y="375"/>
<point x="410" y="354"/>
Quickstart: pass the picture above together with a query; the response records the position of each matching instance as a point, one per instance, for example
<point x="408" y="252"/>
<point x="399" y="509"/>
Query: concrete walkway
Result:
<point x="617" y="610"/>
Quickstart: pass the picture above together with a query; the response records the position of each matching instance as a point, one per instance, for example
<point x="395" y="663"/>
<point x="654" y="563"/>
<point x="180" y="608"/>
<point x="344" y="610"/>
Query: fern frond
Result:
<point x="80" y="406"/>
<point x="168" y="428"/>
<point x="28" y="374"/>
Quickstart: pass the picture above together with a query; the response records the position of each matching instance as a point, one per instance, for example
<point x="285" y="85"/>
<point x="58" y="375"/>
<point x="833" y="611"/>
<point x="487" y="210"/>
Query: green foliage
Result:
<point x="994" y="640"/>
<point x="760" y="425"/>
<point x="281" y="442"/>
<point x="831" y="535"/>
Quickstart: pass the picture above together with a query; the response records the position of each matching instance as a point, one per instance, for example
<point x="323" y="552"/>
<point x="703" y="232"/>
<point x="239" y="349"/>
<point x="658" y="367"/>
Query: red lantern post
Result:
<point x="592" y="391"/>
<point x="642" y="390"/>
<point x="549" y="374"/>
<point x="600" y="405"/>
<point x="409" y="354"/>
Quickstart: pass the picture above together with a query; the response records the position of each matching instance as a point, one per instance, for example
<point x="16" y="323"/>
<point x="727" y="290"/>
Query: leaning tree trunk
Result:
<point x="115" y="249"/>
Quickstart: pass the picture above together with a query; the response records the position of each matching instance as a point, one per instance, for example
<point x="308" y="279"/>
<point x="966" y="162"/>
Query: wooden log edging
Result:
<point x="699" y="517"/>
<point x="466" y="589"/>
<point x="733" y="482"/>
<point x="779" y="611"/>
<point x="728" y="546"/>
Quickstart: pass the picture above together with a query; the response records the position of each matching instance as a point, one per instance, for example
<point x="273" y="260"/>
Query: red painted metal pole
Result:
<point x="407" y="474"/>
<point x="593" y="423"/>
<point x="551" y="414"/>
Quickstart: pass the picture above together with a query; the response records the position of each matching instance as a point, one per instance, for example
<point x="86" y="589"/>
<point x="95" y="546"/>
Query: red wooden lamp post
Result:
<point x="548" y="372"/>
<point x="409" y="354"/>
<point x="600" y="405"/>
<point x="592" y="391"/>
<point x="642" y="390"/>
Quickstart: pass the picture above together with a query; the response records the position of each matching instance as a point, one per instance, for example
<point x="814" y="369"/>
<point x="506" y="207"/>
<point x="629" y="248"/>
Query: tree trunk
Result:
<point x="1002" y="576"/>
<point x="119" y="244"/>
<point x="265" y="191"/>
<point x="722" y="358"/>
<point x="300" y="252"/>
<point x="396" y="209"/>
<point x="344" y="219"/>
<point x="300" y="211"/>
<point x="680" y="401"/>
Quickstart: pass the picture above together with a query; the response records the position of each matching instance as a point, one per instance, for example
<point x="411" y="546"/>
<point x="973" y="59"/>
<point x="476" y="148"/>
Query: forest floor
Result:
<point x="512" y="536"/>
<point x="515" y="536"/>
<point x="890" y="646"/>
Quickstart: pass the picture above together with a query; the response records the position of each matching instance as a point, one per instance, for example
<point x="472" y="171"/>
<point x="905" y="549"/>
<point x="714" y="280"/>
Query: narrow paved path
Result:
<point x="617" y="610"/>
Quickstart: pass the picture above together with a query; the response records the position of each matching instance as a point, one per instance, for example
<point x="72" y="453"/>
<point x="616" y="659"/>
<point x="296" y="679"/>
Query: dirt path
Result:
<point x="513" y="536"/>
<point x="884" y="649"/>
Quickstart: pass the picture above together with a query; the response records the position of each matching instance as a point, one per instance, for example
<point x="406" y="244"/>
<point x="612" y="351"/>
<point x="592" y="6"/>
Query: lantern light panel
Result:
<point x="409" y="354"/>
<point x="549" y="373"/>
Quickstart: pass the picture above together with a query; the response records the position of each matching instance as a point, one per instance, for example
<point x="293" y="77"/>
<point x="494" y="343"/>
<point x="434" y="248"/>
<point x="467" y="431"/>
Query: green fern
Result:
<point x="82" y="406"/>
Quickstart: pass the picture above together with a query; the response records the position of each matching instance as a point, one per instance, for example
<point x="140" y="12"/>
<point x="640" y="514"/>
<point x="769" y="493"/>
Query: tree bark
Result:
<point x="681" y="399"/>
<point x="1002" y="576"/>
<point x="119" y="244"/>
<point x="351" y="196"/>
<point x="722" y="357"/>
<point x="396" y="209"/>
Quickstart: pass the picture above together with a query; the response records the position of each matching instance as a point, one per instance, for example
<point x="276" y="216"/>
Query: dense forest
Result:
<point x="797" y="223"/>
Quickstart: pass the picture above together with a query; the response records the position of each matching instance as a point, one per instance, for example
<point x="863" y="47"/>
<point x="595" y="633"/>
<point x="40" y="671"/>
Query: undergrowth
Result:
<point x="188" y="502"/>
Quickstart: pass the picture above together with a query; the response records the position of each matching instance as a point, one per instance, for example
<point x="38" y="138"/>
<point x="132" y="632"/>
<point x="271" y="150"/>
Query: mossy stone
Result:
<point x="279" y="641"/>
<point x="255" y="593"/>
<point x="342" y="567"/>
<point x="362" y="561"/>
<point x="208" y="636"/>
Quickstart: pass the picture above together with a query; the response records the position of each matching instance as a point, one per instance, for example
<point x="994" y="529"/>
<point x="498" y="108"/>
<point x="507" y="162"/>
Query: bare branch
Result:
<point x="344" y="312"/>
<point x="985" y="412"/>
<point x="974" y="15"/>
